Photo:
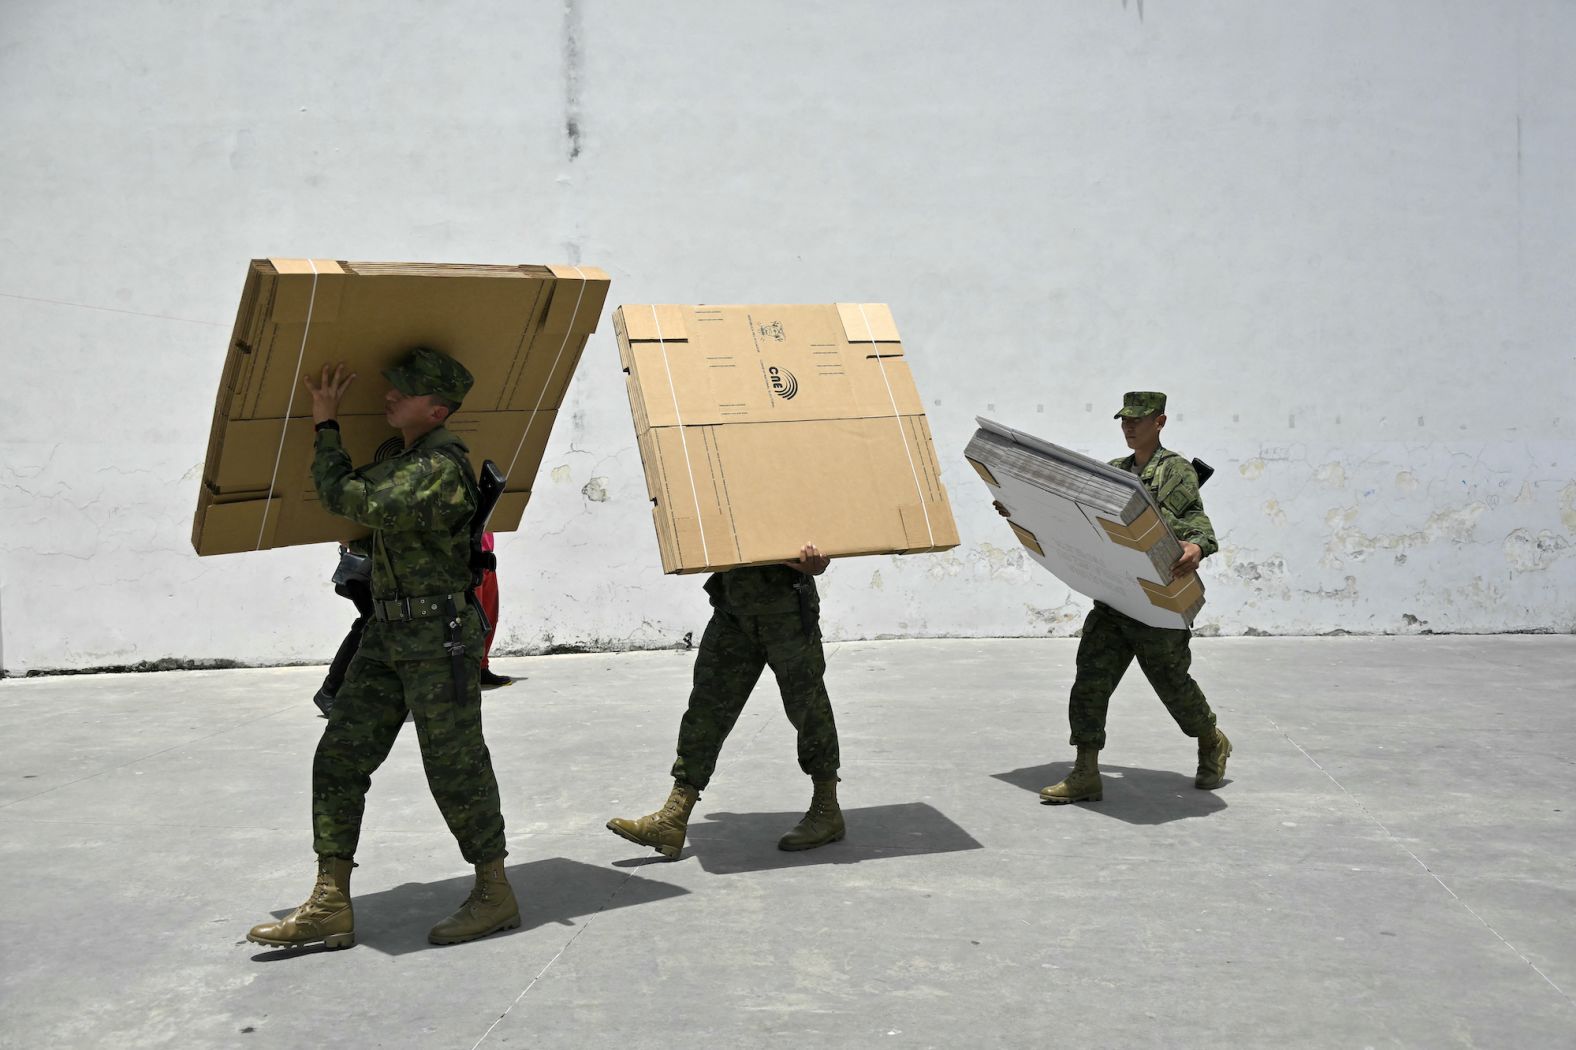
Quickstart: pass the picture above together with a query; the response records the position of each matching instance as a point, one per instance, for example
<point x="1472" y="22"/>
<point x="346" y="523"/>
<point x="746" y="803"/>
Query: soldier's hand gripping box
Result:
<point x="1095" y="527"/>
<point x="518" y="329"/>
<point x="763" y="428"/>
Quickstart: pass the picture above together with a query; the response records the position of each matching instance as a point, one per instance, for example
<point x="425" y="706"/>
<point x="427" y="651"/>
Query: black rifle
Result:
<point x="1205" y="471"/>
<point x="489" y="488"/>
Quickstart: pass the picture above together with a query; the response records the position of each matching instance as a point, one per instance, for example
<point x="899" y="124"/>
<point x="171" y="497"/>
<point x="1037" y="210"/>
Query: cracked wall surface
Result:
<point x="1339" y="235"/>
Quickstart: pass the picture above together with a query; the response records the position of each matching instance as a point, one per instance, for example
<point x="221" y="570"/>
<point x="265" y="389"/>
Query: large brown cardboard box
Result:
<point x="763" y="428"/>
<point x="518" y="329"/>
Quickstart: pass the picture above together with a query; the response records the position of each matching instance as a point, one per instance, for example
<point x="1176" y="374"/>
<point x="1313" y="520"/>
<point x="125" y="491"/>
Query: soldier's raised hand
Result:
<point x="811" y="561"/>
<point x="328" y="391"/>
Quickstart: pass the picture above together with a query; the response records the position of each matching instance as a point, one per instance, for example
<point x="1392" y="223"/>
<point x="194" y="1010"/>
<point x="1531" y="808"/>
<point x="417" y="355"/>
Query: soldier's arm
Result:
<point x="1179" y="496"/>
<point x="408" y="492"/>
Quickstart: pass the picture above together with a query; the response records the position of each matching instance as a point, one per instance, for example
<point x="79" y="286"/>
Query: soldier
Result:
<point x="762" y="616"/>
<point x="419" y="653"/>
<point x="1111" y="640"/>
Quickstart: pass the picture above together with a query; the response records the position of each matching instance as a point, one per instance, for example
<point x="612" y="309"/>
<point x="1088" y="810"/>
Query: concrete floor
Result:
<point x="1390" y="863"/>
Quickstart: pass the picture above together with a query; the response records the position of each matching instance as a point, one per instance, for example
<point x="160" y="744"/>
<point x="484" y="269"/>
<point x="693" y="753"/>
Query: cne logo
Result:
<point x="784" y="385"/>
<point x="389" y="449"/>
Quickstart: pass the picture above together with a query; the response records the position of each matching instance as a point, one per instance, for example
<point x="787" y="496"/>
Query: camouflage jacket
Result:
<point x="1173" y="482"/>
<point x="756" y="589"/>
<point x="419" y="505"/>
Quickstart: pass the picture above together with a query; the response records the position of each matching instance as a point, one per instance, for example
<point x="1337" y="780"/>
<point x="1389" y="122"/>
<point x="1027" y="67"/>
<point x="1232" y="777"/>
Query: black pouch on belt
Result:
<point x="455" y="647"/>
<point x="809" y="606"/>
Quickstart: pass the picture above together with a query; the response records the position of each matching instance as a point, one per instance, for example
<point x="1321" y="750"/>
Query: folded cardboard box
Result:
<point x="518" y="329"/>
<point x="763" y="428"/>
<point x="1095" y="527"/>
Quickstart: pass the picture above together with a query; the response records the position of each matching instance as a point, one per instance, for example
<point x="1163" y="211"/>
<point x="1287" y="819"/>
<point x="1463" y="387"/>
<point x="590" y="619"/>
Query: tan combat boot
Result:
<point x="1213" y="750"/>
<point x="822" y="823"/>
<point x="326" y="917"/>
<point x="490" y="907"/>
<point x="663" y="830"/>
<point x="1082" y="784"/>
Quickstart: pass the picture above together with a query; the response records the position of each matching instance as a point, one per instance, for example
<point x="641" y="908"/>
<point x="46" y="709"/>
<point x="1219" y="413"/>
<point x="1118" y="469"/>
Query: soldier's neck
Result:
<point x="412" y="436"/>
<point x="1142" y="456"/>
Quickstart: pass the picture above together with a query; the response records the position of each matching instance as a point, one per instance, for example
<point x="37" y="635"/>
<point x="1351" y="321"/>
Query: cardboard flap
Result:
<point x="229" y="528"/>
<point x="870" y="323"/>
<point x="1177" y="596"/>
<point x="306" y="266"/>
<point x="578" y="297"/>
<point x="688" y="542"/>
<point x="916" y="525"/>
<point x="1027" y="538"/>
<point x="298" y="297"/>
<point x="984" y="473"/>
<point x="758" y="363"/>
<point x="1145" y="531"/>
<point x="651" y="324"/>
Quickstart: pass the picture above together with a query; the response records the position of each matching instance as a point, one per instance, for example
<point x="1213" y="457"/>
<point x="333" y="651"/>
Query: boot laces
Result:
<point x="820" y="807"/>
<point x="480" y="895"/>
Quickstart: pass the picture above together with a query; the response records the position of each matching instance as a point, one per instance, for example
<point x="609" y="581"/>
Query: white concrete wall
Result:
<point x="1341" y="235"/>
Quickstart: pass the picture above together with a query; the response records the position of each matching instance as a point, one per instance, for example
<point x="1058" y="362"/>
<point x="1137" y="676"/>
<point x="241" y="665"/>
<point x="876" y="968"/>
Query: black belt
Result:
<point x="397" y="610"/>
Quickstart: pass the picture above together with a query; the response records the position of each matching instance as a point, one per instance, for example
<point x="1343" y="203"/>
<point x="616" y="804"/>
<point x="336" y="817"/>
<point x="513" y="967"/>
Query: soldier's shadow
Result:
<point x="1138" y="796"/>
<point x="731" y="843"/>
<point x="395" y="921"/>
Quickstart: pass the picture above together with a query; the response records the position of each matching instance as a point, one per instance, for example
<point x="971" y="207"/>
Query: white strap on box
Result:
<point x="683" y="442"/>
<point x="284" y="427"/>
<point x="540" y="397"/>
<point x="901" y="433"/>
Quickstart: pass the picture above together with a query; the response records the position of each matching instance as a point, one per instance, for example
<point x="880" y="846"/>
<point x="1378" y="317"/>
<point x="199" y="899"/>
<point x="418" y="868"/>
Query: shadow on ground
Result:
<point x="730" y="843"/>
<point x="1138" y="796"/>
<point x="395" y="921"/>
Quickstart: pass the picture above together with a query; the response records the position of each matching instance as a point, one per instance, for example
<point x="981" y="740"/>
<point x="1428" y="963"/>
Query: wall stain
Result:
<point x="1331" y="475"/>
<point x="1525" y="552"/>
<point x="595" y="490"/>
<point x="1252" y="469"/>
<point x="573" y="61"/>
<point x="1348" y="593"/>
<point x="1348" y="543"/>
<point x="562" y="473"/>
<point x="1054" y="617"/>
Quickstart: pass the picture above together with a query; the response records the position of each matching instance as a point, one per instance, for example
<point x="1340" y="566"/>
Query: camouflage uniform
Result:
<point x="1111" y="640"/>
<point x="419" y="504"/>
<point x="762" y="616"/>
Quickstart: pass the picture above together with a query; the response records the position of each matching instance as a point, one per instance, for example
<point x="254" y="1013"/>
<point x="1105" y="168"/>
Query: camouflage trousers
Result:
<point x="733" y="652"/>
<point x="394" y="671"/>
<point x="1109" y="644"/>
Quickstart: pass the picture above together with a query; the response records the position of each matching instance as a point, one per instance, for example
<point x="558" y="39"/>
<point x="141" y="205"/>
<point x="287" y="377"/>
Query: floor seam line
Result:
<point x="543" y="972"/>
<point x="1419" y="862"/>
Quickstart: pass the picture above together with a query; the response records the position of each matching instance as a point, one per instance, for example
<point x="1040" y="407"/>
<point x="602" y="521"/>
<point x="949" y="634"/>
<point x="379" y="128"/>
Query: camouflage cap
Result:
<point x="426" y="371"/>
<point x="1137" y="404"/>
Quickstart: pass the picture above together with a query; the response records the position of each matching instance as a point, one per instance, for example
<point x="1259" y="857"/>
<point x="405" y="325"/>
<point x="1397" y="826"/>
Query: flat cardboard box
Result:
<point x="1095" y="527"/>
<point x="762" y="428"/>
<point x="519" y="330"/>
